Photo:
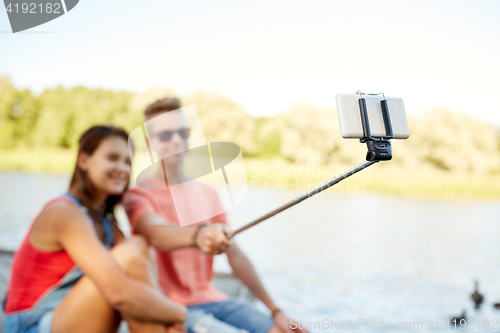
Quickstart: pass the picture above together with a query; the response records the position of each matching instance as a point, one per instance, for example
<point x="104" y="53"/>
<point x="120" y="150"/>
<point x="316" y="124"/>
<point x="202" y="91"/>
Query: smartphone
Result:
<point x="351" y="126"/>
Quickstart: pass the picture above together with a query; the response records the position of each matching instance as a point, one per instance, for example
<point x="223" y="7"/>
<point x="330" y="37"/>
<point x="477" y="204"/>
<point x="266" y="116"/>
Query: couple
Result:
<point x="76" y="272"/>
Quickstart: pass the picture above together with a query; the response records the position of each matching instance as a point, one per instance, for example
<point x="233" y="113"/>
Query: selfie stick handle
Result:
<point x="309" y="194"/>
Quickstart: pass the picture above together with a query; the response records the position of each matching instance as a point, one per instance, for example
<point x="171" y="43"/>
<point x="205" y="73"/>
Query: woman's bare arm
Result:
<point x="78" y="238"/>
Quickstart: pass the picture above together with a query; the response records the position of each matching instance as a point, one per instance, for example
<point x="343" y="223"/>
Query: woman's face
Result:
<point x="108" y="168"/>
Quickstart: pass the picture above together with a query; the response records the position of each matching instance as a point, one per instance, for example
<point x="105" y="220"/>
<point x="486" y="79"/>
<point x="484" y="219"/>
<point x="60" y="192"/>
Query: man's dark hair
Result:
<point x="162" y="105"/>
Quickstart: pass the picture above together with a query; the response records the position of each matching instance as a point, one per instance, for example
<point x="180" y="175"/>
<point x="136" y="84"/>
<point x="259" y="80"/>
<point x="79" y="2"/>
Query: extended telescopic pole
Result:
<point x="379" y="149"/>
<point x="309" y="194"/>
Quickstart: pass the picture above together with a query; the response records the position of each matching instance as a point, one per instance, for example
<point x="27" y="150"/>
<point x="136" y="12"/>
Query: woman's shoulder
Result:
<point x="62" y="205"/>
<point x="51" y="220"/>
<point x="60" y="210"/>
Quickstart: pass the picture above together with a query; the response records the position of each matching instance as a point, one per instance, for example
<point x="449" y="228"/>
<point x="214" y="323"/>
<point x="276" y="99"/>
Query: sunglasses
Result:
<point x="167" y="135"/>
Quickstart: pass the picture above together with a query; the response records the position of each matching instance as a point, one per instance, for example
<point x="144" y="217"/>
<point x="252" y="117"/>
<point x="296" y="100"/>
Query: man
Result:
<point x="185" y="273"/>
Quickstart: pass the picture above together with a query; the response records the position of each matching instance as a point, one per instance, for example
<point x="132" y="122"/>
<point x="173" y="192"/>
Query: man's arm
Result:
<point x="210" y="239"/>
<point x="244" y="270"/>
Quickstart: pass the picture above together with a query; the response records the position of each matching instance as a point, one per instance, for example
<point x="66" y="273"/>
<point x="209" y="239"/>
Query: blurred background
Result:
<point x="403" y="241"/>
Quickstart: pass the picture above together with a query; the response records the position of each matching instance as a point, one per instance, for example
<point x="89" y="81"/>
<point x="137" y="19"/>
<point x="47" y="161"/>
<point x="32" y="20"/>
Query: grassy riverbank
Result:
<point x="275" y="174"/>
<point x="383" y="177"/>
<point x="59" y="161"/>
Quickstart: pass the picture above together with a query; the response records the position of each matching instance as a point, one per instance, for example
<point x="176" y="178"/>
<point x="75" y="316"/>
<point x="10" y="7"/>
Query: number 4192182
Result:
<point x="33" y="8"/>
<point x="472" y="324"/>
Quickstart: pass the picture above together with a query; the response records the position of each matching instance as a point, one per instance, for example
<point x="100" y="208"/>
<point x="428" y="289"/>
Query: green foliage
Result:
<point x="441" y="141"/>
<point x="54" y="160"/>
<point x="454" y="142"/>
<point x="66" y="113"/>
<point x="58" y="116"/>
<point x="267" y="138"/>
<point x="312" y="135"/>
<point x="223" y="120"/>
<point x="498" y="138"/>
<point x="8" y="96"/>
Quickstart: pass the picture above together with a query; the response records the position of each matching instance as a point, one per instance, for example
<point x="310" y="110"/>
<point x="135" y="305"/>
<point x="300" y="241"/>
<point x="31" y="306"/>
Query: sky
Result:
<point x="269" y="55"/>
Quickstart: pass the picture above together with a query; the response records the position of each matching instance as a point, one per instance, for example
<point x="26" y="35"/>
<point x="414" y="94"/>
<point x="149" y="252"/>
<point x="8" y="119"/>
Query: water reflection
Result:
<point x="341" y="258"/>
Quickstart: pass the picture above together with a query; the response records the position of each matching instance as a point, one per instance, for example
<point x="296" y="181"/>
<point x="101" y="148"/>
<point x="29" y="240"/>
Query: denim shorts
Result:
<point x="229" y="316"/>
<point x="27" y="321"/>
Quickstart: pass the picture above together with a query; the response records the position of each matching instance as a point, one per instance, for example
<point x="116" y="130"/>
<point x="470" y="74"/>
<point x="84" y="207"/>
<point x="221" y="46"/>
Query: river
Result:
<point x="336" y="260"/>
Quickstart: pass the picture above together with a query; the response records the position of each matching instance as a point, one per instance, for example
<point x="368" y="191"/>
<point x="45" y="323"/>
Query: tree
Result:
<point x="223" y="120"/>
<point x="312" y="134"/>
<point x="455" y="142"/>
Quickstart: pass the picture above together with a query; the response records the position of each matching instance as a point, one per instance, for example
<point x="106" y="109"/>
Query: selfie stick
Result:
<point x="379" y="149"/>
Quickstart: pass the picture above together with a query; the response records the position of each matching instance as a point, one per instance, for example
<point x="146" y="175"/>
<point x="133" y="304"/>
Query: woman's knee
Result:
<point x="139" y="242"/>
<point x="132" y="254"/>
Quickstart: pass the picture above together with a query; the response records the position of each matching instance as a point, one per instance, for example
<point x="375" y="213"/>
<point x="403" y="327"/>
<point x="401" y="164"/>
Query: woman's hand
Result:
<point x="283" y="323"/>
<point x="212" y="239"/>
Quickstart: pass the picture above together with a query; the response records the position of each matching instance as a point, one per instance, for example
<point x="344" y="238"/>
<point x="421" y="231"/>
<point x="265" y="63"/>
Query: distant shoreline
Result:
<point x="384" y="178"/>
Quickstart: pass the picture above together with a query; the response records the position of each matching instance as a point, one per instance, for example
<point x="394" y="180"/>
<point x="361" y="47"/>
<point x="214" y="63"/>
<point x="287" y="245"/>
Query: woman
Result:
<point x="75" y="271"/>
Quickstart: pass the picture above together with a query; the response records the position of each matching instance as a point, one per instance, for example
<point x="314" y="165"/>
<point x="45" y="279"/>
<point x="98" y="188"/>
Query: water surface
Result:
<point x="341" y="258"/>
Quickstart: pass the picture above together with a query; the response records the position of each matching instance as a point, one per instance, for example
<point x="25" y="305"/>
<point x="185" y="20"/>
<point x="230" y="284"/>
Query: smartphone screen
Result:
<point x="351" y="126"/>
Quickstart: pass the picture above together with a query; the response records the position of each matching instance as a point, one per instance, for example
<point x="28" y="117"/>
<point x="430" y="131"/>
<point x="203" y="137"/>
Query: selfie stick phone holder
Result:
<point x="379" y="147"/>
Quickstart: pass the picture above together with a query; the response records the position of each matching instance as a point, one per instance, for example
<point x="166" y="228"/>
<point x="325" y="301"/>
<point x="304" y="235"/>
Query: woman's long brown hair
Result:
<point x="88" y="143"/>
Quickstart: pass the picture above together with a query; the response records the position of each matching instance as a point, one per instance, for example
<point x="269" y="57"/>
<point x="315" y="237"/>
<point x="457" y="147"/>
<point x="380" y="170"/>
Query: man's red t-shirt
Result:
<point x="185" y="275"/>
